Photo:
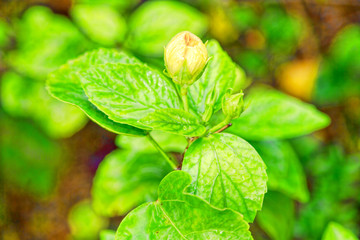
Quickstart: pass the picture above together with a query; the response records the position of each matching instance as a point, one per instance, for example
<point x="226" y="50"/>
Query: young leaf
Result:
<point x="65" y="85"/>
<point x="154" y="23"/>
<point x="179" y="215"/>
<point x="175" y="121"/>
<point x="280" y="209"/>
<point x="272" y="114"/>
<point x="227" y="172"/>
<point x="284" y="169"/>
<point x="335" y="231"/>
<point x="107" y="234"/>
<point x="128" y="92"/>
<point x="220" y="75"/>
<point x="125" y="179"/>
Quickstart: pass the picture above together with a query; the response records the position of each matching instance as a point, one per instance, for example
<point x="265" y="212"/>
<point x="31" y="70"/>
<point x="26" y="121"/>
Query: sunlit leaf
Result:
<point x="175" y="121"/>
<point x="128" y="92"/>
<point x="179" y="215"/>
<point x="227" y="172"/>
<point x="126" y="179"/>
<point x="272" y="114"/>
<point x="65" y="85"/>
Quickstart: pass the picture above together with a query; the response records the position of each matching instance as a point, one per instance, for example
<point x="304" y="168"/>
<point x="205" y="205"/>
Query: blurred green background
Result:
<point x="51" y="184"/>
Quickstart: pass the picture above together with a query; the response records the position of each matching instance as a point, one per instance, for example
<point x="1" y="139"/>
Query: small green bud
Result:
<point x="185" y="58"/>
<point x="233" y="104"/>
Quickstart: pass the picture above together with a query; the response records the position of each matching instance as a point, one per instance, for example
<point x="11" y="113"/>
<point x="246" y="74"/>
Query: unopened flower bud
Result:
<point x="233" y="104"/>
<point x="185" y="58"/>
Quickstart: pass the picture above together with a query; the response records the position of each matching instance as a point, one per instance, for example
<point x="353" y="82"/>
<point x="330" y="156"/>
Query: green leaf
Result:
<point x="272" y="114"/>
<point x="24" y="97"/>
<point x="45" y="41"/>
<point x="277" y="209"/>
<point x="227" y="172"/>
<point x="65" y="85"/>
<point x="128" y="92"/>
<point x="175" y="121"/>
<point x="107" y="234"/>
<point x="179" y="215"/>
<point x="220" y="74"/>
<point x="84" y="223"/>
<point x="153" y="25"/>
<point x="284" y="169"/>
<point x="103" y="24"/>
<point x="29" y="160"/>
<point x="335" y="231"/>
<point x="120" y="5"/>
<point x="126" y="179"/>
<point x="168" y="142"/>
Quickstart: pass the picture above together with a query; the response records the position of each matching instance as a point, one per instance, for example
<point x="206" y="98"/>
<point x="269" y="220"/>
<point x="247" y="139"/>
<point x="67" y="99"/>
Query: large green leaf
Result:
<point x="227" y="172"/>
<point x="220" y="74"/>
<point x="179" y="215"/>
<point x="168" y="142"/>
<point x="103" y="24"/>
<point x="126" y="179"/>
<point x="272" y="114"/>
<point x="335" y="231"/>
<point x="277" y="209"/>
<point x="154" y="23"/>
<point x="24" y="97"/>
<point x="175" y="121"/>
<point x="128" y="92"/>
<point x="65" y="85"/>
<point x="284" y="169"/>
<point x="45" y="41"/>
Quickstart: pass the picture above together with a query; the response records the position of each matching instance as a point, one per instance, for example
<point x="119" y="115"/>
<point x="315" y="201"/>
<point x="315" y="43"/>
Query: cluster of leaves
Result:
<point x="223" y="177"/>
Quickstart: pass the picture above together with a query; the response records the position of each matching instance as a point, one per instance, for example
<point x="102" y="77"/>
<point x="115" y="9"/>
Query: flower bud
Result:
<point x="185" y="58"/>
<point x="233" y="104"/>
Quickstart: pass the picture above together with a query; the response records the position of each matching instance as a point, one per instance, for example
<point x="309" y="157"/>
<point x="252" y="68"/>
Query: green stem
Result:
<point x="184" y="98"/>
<point x="162" y="152"/>
<point x="226" y="121"/>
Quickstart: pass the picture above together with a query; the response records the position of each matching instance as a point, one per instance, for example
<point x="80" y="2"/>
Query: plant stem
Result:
<point x="184" y="97"/>
<point x="162" y="152"/>
<point x="221" y="125"/>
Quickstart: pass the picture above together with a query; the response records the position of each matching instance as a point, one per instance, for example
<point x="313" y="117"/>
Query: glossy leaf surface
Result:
<point x="272" y="114"/>
<point x="126" y="179"/>
<point x="179" y="215"/>
<point x="128" y="92"/>
<point x="175" y="121"/>
<point x="65" y="85"/>
<point x="227" y="172"/>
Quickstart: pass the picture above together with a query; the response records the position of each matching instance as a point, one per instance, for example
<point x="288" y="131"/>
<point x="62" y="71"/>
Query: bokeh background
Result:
<point x="50" y="151"/>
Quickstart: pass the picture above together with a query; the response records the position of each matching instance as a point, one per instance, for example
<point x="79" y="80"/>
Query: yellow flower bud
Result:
<point x="185" y="58"/>
<point x="233" y="104"/>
